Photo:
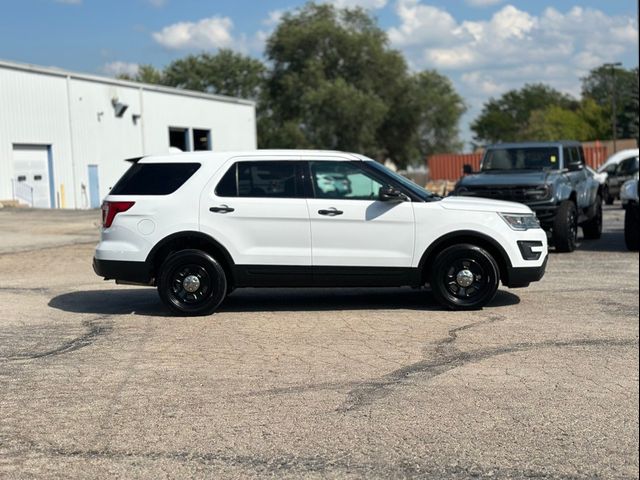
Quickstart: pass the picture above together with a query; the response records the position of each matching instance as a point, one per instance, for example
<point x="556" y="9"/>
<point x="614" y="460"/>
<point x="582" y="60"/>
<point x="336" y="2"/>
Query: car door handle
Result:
<point x="332" y="212"/>
<point x="221" y="209"/>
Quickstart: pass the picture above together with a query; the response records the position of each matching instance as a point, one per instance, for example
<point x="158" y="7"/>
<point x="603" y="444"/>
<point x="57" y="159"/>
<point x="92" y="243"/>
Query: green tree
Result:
<point x="224" y="73"/>
<point x="507" y="118"/>
<point x="439" y="111"/>
<point x="555" y="123"/>
<point x="146" y="74"/>
<point x="600" y="84"/>
<point x="335" y="83"/>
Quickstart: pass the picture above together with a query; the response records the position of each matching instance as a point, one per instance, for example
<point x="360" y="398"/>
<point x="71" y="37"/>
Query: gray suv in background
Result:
<point x="550" y="178"/>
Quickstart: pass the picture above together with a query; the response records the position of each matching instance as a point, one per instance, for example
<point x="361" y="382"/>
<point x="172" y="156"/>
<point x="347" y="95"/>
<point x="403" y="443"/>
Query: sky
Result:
<point x="485" y="47"/>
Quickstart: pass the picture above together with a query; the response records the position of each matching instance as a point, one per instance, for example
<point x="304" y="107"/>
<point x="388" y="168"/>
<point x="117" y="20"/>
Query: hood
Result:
<point x="507" y="177"/>
<point x="476" y="204"/>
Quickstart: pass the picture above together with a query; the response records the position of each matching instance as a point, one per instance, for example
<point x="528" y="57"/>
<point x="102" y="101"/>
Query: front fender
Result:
<point x="562" y="192"/>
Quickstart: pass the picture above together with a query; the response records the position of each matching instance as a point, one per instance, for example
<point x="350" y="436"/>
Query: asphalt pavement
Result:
<point x="97" y="380"/>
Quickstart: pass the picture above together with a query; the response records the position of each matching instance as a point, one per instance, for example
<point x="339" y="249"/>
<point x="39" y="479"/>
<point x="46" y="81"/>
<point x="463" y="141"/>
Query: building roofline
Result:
<point x="58" y="72"/>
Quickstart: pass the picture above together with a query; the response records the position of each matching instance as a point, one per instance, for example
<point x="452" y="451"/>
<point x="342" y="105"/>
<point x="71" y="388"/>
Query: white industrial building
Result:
<point x="64" y="136"/>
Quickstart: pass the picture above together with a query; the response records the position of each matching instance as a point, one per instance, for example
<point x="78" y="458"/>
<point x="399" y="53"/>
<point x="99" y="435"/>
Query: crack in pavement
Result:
<point x="295" y="464"/>
<point x="97" y="328"/>
<point x="447" y="357"/>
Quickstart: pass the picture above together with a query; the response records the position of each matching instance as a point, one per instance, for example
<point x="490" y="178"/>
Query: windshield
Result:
<point x="405" y="182"/>
<point x="530" y="158"/>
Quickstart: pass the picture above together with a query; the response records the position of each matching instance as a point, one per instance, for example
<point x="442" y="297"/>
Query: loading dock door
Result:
<point x="31" y="168"/>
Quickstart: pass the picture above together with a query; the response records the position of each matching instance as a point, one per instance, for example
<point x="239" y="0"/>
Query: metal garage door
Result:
<point x="31" y="175"/>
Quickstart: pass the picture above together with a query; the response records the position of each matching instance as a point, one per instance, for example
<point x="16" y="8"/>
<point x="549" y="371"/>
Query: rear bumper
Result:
<point x="134" y="272"/>
<point x="518" y="277"/>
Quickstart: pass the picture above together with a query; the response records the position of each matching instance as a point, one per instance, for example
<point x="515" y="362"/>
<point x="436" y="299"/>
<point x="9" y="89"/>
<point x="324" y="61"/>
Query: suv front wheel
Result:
<point x="191" y="282"/>
<point x="464" y="277"/>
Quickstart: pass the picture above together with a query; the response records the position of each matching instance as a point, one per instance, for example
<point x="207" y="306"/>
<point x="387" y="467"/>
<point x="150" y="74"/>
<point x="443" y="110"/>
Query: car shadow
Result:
<point x="145" y="301"/>
<point x="611" y="241"/>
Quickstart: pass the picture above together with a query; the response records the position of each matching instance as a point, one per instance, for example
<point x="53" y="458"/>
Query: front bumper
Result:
<point x="519" y="277"/>
<point x="124" y="271"/>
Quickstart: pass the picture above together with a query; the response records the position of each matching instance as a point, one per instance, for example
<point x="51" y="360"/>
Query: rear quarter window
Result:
<point x="154" y="178"/>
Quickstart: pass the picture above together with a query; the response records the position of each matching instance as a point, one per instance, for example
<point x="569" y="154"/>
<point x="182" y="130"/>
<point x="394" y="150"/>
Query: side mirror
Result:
<point x="467" y="169"/>
<point x="388" y="193"/>
<point x="575" y="167"/>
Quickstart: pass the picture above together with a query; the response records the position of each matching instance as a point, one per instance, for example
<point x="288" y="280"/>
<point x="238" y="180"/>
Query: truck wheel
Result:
<point x="632" y="227"/>
<point x="608" y="199"/>
<point x="593" y="228"/>
<point x="565" y="227"/>
<point x="191" y="282"/>
<point x="464" y="277"/>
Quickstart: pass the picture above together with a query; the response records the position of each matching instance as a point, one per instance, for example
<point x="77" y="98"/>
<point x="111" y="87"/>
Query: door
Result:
<point x="577" y="175"/>
<point x="350" y="227"/>
<point x="94" y="187"/>
<point x="31" y="175"/>
<point x="257" y="211"/>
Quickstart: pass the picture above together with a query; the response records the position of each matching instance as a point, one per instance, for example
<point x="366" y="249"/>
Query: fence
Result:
<point x="448" y="166"/>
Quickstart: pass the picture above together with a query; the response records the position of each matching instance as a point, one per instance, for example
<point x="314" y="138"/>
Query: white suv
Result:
<point x="198" y="225"/>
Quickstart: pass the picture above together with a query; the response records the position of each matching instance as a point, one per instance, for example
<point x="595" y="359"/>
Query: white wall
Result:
<point x="74" y="114"/>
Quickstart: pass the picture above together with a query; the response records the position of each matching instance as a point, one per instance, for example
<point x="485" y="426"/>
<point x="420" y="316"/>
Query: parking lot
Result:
<point x="97" y="380"/>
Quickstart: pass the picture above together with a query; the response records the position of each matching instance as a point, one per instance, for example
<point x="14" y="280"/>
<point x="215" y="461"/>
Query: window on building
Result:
<point x="201" y="139"/>
<point x="179" y="138"/>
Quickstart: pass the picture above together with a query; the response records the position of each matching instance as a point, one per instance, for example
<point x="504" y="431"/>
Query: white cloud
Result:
<point x="208" y="33"/>
<point x="273" y="18"/>
<point x="119" y="68"/>
<point x="366" y="4"/>
<point x="581" y="36"/>
<point x="483" y="3"/>
<point x="512" y="47"/>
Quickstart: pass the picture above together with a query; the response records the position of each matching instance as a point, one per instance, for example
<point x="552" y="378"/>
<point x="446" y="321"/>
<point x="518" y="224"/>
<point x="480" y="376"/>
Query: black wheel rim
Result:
<point x="457" y="276"/>
<point x="573" y="227"/>
<point x="183" y="297"/>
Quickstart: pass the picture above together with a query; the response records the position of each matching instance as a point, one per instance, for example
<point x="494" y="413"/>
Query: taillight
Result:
<point x="111" y="209"/>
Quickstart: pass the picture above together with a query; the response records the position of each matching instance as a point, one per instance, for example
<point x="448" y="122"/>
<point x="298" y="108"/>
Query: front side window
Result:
<point x="343" y="180"/>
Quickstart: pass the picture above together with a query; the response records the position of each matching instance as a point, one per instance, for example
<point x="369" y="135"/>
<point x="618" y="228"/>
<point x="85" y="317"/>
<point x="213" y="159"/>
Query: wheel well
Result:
<point x="189" y="240"/>
<point x="489" y="245"/>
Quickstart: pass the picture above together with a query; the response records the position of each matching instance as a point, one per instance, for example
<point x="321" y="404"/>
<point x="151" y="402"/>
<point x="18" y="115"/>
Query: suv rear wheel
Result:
<point x="191" y="282"/>
<point x="565" y="227"/>
<point x="464" y="277"/>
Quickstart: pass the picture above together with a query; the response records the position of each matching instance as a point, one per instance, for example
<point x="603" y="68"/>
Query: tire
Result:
<point x="608" y="199"/>
<point x="448" y="282"/>
<point x="565" y="227"/>
<point x="632" y="227"/>
<point x="593" y="228"/>
<point x="207" y="277"/>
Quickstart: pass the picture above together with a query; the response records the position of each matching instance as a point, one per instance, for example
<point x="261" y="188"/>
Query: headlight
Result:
<point x="521" y="221"/>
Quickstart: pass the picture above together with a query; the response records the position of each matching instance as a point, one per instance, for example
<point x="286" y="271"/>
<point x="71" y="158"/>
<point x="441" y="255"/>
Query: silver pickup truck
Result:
<point x="550" y="178"/>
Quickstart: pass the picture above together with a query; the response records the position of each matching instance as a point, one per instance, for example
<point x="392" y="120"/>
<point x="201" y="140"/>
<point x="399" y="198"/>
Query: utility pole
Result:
<point x="614" y="116"/>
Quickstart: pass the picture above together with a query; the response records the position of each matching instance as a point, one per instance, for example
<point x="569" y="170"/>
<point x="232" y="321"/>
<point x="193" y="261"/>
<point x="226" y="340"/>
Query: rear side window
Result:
<point x="260" y="180"/>
<point x="154" y="178"/>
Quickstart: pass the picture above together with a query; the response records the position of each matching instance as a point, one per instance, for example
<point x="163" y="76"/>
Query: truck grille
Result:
<point x="519" y="193"/>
